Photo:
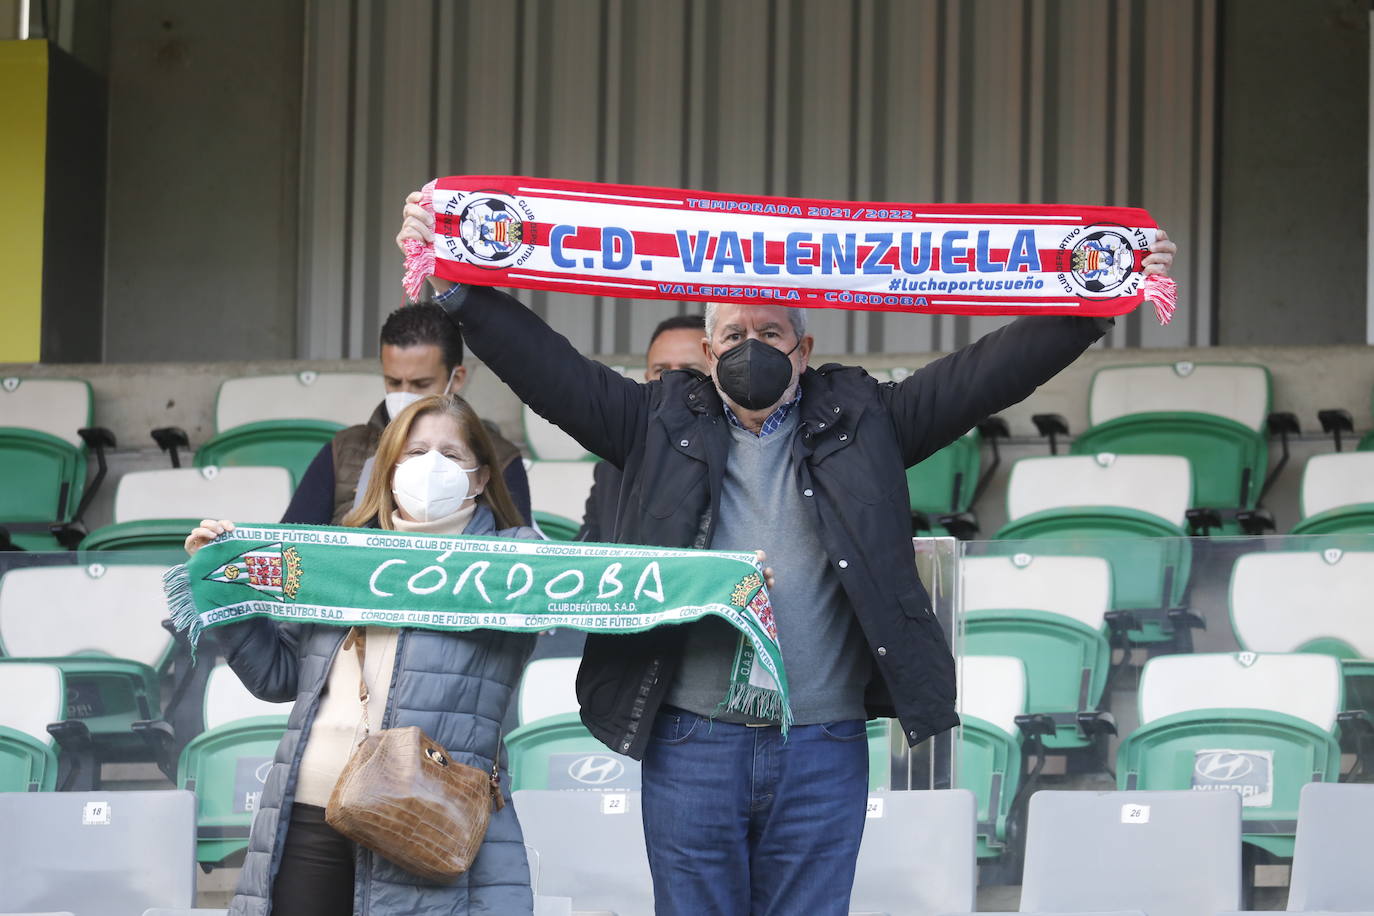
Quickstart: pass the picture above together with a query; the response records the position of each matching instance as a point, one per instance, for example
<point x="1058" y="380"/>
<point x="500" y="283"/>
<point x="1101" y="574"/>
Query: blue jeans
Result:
<point x="738" y="821"/>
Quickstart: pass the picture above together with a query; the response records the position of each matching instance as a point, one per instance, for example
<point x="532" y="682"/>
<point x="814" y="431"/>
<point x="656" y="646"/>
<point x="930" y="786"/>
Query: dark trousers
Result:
<point x="738" y="821"/>
<point x="316" y="873"/>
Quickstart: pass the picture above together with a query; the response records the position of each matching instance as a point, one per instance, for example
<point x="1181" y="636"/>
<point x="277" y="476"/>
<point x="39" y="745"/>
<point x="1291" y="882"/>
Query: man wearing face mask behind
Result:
<point x="808" y="465"/>
<point x="421" y="354"/>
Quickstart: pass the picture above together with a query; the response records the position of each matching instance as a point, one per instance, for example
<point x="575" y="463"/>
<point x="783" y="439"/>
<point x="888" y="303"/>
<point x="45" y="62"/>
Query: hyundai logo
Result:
<point x="596" y="769"/>
<point x="260" y="774"/>
<point x="1224" y="766"/>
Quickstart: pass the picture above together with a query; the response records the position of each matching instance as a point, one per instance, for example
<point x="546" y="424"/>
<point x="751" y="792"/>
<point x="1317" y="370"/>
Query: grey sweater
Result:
<point x="763" y="507"/>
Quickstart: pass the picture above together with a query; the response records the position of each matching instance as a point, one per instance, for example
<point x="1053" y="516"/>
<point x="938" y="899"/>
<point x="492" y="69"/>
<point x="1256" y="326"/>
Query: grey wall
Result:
<point x="203" y="179"/>
<point x="215" y="162"/>
<point x="1080" y="101"/>
<point x="1293" y="172"/>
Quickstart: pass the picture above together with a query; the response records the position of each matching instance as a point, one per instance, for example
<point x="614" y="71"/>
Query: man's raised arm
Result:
<point x="939" y="403"/>
<point x="594" y="404"/>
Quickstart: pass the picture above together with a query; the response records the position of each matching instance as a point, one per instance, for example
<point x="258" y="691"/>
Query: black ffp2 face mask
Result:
<point x="753" y="374"/>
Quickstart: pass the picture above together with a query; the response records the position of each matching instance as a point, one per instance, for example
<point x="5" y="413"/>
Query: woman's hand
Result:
<point x="767" y="570"/>
<point x="207" y="531"/>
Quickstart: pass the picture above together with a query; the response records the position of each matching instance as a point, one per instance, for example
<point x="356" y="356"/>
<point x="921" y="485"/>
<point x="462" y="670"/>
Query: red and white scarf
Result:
<point x="659" y="243"/>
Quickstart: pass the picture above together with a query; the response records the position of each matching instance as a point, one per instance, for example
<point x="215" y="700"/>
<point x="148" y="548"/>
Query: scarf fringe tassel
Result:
<point x="1163" y="292"/>
<point x="176" y="584"/>
<point x="759" y="702"/>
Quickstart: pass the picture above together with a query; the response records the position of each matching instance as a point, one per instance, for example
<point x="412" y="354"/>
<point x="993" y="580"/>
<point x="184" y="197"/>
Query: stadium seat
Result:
<point x="557" y="752"/>
<point x="547" y="442"/>
<point x="1331" y="872"/>
<point x="916" y="856"/>
<point x="97" y="854"/>
<point x="32" y="696"/>
<point x="590" y="847"/>
<point x="101" y="625"/>
<point x="558" y="496"/>
<point x="942" y="489"/>
<point x="1213" y="414"/>
<point x="1174" y="853"/>
<point x="1049" y="612"/>
<point x="1128" y="509"/>
<point x="226" y="764"/>
<point x="1257" y="725"/>
<point x="992" y="693"/>
<point x="1337" y="494"/>
<point x="155" y="510"/>
<point x="1267" y="586"/>
<point x="546" y="689"/>
<point x="45" y="435"/>
<point x="284" y="420"/>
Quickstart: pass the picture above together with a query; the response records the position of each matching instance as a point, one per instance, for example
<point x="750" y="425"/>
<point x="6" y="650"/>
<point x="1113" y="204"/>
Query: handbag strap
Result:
<point x="357" y="640"/>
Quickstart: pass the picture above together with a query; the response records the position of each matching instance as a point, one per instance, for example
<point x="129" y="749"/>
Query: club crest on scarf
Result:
<point x="759" y="605"/>
<point x="1103" y="261"/>
<point x="269" y="569"/>
<point x="495" y="230"/>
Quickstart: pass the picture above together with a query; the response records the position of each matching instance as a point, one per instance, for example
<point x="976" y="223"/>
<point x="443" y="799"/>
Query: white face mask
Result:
<point x="430" y="486"/>
<point x="397" y="401"/>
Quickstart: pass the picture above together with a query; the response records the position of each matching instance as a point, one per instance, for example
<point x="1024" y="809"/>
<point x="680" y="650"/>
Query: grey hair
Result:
<point x="795" y="315"/>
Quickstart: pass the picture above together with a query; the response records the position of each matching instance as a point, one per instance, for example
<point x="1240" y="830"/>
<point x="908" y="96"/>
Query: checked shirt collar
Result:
<point x="775" y="419"/>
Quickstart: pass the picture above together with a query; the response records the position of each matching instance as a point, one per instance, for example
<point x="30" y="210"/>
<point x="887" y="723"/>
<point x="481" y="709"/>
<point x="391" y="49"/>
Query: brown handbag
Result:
<point x="404" y="798"/>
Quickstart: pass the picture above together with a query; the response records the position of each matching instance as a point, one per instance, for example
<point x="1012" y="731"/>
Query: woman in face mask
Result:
<point x="441" y="479"/>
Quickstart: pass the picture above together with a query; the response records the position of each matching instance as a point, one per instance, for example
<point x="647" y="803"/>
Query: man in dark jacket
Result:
<point x="421" y="354"/>
<point x="809" y="465"/>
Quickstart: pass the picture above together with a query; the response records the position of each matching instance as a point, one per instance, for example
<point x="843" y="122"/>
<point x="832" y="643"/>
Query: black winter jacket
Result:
<point x="855" y="439"/>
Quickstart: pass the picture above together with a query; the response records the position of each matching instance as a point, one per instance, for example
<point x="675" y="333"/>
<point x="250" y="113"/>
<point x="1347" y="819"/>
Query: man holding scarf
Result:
<point x="809" y="465"/>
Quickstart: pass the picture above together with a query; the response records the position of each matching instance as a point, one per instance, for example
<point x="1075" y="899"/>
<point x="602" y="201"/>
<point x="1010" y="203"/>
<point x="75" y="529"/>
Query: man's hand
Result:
<point x="1161" y="256"/>
<point x="417" y="224"/>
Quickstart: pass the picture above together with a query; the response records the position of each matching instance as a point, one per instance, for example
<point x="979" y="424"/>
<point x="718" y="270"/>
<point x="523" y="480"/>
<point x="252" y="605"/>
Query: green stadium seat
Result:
<point x="1337" y="495"/>
<point x="557" y="752"/>
<point x="558" y="495"/>
<point x="547" y="688"/>
<point x="227" y="763"/>
<point x="43" y="457"/>
<point x="992" y="693"/>
<point x="1128" y="509"/>
<point x="284" y="420"/>
<point x="34" y="697"/>
<point x="157" y="509"/>
<point x="1213" y="414"/>
<point x="1266" y="587"/>
<point x="1050" y="612"/>
<point x="1261" y="725"/>
<point x="546" y="442"/>
<point x="101" y="625"/>
<point x="944" y="483"/>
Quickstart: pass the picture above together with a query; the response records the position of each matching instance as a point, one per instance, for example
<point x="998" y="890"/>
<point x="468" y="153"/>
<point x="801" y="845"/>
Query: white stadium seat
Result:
<point x="337" y="397"/>
<point x="1237" y="392"/>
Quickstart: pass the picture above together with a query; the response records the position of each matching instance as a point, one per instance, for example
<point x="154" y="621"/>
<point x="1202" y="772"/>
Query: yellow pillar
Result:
<point x="23" y="155"/>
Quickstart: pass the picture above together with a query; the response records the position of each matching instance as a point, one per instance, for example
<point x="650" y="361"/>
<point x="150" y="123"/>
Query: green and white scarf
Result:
<point x="367" y="577"/>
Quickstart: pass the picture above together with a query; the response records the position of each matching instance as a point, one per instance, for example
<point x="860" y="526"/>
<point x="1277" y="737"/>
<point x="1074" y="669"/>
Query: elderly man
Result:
<point x="808" y="464"/>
